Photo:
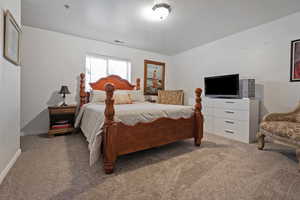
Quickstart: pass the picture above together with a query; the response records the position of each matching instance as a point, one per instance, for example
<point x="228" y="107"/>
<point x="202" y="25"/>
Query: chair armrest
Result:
<point x="280" y="117"/>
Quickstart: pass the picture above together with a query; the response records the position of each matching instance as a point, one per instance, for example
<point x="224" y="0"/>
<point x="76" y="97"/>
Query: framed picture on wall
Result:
<point x="12" y="37"/>
<point x="154" y="77"/>
<point x="295" y="61"/>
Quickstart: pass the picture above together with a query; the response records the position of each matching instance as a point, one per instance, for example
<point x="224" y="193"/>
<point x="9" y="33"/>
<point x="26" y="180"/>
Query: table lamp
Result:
<point x="64" y="90"/>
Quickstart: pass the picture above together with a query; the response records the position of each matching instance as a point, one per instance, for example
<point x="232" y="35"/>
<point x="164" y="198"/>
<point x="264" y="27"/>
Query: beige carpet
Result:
<point x="57" y="168"/>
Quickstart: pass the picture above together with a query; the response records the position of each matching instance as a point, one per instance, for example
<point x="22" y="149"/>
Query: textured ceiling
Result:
<point x="190" y="24"/>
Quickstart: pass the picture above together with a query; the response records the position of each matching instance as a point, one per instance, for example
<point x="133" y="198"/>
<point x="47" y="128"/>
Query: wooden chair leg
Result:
<point x="298" y="156"/>
<point x="261" y="141"/>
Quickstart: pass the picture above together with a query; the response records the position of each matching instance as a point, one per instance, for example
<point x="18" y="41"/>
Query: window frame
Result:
<point x="107" y="59"/>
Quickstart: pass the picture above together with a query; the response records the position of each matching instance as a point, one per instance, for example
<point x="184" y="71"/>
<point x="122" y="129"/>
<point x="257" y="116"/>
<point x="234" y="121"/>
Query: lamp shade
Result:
<point x="64" y="90"/>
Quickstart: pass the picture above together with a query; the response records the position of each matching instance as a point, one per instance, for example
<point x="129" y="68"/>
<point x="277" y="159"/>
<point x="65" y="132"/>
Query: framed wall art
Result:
<point x="295" y="61"/>
<point x="12" y="37"/>
<point x="154" y="77"/>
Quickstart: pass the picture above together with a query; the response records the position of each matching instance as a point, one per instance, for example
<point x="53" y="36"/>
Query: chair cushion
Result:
<point x="290" y="130"/>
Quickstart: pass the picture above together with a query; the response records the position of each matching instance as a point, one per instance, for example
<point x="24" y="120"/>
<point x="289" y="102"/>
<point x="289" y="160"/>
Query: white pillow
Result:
<point x="135" y="95"/>
<point x="100" y="95"/>
<point x="97" y="96"/>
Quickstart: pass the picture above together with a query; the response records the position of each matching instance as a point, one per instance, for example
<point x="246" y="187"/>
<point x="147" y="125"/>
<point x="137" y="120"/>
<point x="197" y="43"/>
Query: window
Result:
<point x="97" y="67"/>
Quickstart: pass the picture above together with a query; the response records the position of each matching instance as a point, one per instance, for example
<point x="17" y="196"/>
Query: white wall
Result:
<point x="10" y="95"/>
<point x="50" y="59"/>
<point x="262" y="53"/>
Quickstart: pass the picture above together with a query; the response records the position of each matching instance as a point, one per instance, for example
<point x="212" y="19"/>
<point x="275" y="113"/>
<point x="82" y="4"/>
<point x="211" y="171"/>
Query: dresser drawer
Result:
<point x="233" y="125"/>
<point x="236" y="104"/>
<point x="231" y="114"/>
<point x="233" y="128"/>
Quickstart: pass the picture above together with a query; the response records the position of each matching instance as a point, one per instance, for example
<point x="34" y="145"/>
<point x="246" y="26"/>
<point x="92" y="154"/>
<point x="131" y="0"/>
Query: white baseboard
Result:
<point x="9" y="165"/>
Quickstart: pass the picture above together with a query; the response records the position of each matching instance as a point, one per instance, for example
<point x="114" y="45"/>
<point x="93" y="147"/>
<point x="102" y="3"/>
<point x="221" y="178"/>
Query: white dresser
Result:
<point x="237" y="119"/>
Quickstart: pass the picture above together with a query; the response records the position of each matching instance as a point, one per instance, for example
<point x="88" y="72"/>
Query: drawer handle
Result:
<point x="229" y="112"/>
<point x="229" y="122"/>
<point x="231" y="132"/>
<point x="229" y="102"/>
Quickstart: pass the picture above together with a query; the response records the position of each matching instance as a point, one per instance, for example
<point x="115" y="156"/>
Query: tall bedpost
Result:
<point x="82" y="90"/>
<point x="109" y="102"/>
<point x="138" y="84"/>
<point x="199" y="118"/>
<point x="110" y="131"/>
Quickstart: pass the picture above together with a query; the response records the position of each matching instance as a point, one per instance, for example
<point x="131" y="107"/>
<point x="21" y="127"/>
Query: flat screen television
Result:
<point x="222" y="86"/>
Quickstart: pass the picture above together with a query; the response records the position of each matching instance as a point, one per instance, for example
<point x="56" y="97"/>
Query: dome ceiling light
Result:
<point x="162" y="10"/>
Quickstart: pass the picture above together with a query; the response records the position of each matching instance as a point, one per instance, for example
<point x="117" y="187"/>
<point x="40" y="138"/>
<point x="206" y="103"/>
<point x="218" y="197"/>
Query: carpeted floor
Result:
<point x="57" y="168"/>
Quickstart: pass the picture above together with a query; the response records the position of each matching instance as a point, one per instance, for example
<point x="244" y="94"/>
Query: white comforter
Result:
<point x="91" y="119"/>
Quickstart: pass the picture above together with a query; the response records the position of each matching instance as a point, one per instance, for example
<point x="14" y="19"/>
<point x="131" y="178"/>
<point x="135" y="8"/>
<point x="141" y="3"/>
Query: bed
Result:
<point x="115" y="130"/>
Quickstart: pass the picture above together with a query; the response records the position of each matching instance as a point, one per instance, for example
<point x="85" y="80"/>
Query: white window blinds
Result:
<point x="101" y="66"/>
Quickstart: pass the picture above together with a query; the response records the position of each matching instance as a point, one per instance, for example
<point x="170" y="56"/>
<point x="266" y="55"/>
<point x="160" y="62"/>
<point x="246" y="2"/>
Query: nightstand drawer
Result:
<point x="62" y="111"/>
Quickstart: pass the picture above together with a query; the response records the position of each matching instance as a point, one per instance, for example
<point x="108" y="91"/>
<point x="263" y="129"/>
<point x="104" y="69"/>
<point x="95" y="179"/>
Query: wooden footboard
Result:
<point x="120" y="139"/>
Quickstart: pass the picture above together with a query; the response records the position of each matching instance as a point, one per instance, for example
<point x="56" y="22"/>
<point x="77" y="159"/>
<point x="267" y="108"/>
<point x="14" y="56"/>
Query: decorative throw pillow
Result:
<point x="135" y="95"/>
<point x="97" y="96"/>
<point x="122" y="99"/>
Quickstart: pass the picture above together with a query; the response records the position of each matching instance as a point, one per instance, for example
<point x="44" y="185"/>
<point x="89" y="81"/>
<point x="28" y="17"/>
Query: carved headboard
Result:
<point x="117" y="81"/>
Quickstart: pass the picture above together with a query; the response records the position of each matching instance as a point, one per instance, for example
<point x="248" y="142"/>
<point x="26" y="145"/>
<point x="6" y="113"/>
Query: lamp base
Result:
<point x="63" y="104"/>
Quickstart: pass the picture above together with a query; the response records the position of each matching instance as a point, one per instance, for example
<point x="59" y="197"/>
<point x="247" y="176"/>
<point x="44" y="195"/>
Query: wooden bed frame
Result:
<point x="119" y="139"/>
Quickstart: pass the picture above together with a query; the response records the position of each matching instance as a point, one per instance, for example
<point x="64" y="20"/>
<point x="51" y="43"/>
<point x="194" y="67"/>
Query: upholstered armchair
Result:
<point x="174" y="97"/>
<point x="282" y="127"/>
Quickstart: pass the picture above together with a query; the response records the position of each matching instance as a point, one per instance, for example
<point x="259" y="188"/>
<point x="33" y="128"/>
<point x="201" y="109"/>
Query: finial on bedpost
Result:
<point x="109" y="109"/>
<point x="138" y="84"/>
<point x="198" y="117"/>
<point x="82" y="90"/>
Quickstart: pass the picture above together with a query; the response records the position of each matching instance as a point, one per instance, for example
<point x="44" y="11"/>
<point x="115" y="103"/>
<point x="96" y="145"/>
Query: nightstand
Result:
<point x="61" y="119"/>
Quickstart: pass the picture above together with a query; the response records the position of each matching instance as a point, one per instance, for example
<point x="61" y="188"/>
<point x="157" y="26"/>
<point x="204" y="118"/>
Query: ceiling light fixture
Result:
<point x="162" y="10"/>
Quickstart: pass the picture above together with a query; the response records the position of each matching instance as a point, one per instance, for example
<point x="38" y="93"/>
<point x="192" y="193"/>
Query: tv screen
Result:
<point x="222" y="86"/>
